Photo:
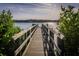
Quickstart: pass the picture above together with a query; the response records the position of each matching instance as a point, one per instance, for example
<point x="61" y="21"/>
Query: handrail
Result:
<point x="22" y="45"/>
<point x="21" y="33"/>
<point x="20" y="41"/>
<point x="46" y="29"/>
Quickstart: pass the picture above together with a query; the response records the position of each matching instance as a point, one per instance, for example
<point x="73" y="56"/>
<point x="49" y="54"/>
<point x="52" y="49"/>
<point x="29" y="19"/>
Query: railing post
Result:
<point x="50" y="49"/>
<point x="48" y="32"/>
<point x="51" y="43"/>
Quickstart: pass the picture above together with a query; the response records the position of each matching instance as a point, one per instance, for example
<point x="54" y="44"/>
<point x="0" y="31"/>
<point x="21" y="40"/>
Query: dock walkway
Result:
<point x="36" y="45"/>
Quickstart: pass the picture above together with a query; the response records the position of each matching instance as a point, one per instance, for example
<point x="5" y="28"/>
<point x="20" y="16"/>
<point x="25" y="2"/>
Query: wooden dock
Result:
<point x="36" y="45"/>
<point x="36" y="41"/>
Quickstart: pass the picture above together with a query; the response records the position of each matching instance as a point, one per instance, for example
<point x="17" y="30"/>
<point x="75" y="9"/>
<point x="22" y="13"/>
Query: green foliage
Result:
<point x="16" y="30"/>
<point x="7" y="30"/>
<point x="6" y="25"/>
<point x="69" y="27"/>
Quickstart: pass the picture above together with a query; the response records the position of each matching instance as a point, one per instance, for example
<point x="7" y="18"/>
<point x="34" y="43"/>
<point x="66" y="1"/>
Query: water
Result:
<point x="25" y="25"/>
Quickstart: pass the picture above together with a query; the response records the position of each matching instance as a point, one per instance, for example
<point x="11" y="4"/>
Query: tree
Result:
<point x="69" y="27"/>
<point x="7" y="30"/>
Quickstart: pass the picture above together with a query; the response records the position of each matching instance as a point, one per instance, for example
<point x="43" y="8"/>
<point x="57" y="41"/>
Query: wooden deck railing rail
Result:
<point x="49" y="43"/>
<point x="20" y="41"/>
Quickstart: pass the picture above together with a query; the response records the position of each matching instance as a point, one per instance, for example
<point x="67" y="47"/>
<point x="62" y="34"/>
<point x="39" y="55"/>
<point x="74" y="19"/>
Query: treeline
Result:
<point x="7" y="30"/>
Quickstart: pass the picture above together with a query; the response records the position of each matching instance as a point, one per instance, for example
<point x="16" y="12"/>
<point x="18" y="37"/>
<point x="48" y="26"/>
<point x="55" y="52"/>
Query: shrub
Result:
<point x="69" y="27"/>
<point x="16" y="30"/>
<point x="7" y="30"/>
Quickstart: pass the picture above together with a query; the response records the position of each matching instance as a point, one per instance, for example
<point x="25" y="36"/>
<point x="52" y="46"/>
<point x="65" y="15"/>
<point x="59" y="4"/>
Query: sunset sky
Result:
<point x="35" y="10"/>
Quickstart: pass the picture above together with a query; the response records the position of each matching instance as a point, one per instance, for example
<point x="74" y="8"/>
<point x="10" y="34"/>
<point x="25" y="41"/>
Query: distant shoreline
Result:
<point x="36" y="21"/>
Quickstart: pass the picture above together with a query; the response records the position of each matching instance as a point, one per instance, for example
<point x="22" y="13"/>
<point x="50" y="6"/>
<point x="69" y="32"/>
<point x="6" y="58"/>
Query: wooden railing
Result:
<point x="48" y="40"/>
<point x="20" y="42"/>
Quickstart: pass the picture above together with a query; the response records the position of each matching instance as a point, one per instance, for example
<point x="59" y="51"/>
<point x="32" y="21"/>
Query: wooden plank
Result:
<point x="27" y="46"/>
<point x="36" y="45"/>
<point x="22" y="45"/>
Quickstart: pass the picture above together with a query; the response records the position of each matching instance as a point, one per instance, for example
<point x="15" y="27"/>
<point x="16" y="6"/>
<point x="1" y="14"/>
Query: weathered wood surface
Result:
<point x="20" y="41"/>
<point x="36" y="45"/>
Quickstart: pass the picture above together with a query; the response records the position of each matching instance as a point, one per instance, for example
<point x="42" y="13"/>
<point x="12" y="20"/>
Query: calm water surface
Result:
<point x="25" y="25"/>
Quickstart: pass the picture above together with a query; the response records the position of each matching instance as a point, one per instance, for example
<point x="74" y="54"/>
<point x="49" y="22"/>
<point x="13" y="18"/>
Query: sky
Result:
<point x="24" y="11"/>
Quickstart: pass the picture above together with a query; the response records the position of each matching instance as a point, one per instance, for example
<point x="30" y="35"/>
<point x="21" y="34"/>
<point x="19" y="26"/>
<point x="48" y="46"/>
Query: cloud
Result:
<point x="41" y="11"/>
<point x="35" y="10"/>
